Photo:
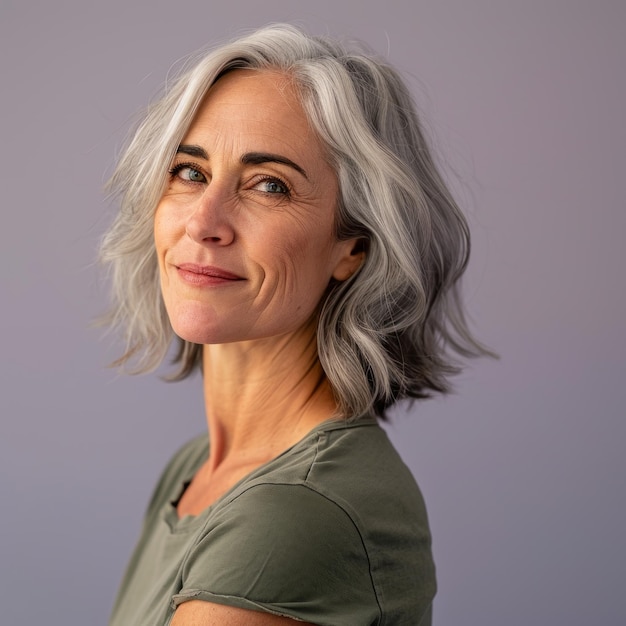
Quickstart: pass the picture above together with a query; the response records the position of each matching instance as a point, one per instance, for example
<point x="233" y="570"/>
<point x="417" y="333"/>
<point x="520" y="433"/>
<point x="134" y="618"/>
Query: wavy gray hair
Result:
<point x="387" y="333"/>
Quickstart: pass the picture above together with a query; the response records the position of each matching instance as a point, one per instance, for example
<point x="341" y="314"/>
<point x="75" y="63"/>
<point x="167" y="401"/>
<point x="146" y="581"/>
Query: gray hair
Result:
<point x="390" y="331"/>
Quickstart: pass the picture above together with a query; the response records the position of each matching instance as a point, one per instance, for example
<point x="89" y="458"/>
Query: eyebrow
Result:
<point x="256" y="158"/>
<point x="194" y="151"/>
<point x="250" y="158"/>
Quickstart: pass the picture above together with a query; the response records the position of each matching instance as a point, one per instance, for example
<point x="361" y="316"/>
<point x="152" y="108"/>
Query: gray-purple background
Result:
<point x="523" y="469"/>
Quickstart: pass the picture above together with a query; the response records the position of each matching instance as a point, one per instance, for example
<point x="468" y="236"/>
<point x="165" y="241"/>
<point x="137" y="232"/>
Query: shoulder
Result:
<point x="335" y="528"/>
<point x="360" y="470"/>
<point x="277" y="528"/>
<point x="286" y="549"/>
<point x="291" y="519"/>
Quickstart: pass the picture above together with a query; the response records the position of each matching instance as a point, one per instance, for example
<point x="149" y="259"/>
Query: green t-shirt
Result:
<point x="333" y="531"/>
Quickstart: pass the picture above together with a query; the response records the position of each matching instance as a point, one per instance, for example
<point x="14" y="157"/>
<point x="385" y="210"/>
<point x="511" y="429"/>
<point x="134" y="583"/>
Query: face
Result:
<point x="244" y="232"/>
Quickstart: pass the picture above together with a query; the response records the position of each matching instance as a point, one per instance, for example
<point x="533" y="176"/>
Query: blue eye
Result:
<point x="187" y="173"/>
<point x="194" y="175"/>
<point x="273" y="186"/>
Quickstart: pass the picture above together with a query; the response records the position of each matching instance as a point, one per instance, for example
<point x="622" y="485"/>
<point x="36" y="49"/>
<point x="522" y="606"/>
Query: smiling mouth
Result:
<point x="205" y="274"/>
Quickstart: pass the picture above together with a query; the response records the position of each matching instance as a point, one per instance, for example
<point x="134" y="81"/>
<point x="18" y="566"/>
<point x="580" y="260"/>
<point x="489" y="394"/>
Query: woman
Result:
<point x="282" y="216"/>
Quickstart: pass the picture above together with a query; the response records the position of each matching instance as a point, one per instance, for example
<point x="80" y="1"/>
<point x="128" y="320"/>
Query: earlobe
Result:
<point x="351" y="261"/>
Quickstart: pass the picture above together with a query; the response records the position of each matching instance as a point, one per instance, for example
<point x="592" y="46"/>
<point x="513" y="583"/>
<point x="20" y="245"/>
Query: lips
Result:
<point x="205" y="274"/>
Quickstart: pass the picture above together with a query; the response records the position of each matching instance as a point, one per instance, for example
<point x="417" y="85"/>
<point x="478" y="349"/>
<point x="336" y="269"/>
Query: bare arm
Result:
<point x="200" y="613"/>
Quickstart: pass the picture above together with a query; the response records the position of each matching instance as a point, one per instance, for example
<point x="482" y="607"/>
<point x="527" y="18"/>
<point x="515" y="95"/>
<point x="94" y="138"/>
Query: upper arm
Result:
<point x="199" y="613"/>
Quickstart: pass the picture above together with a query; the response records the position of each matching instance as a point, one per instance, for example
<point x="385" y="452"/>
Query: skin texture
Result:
<point x="266" y="223"/>
<point x="251" y="199"/>
<point x="196" y="613"/>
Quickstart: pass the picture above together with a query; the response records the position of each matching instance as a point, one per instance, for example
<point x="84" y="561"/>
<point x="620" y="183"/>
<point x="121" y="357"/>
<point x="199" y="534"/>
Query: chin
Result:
<point x="197" y="332"/>
<point x="197" y="324"/>
<point x="200" y="324"/>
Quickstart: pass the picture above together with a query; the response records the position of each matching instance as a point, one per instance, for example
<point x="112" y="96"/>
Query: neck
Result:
<point x="263" y="396"/>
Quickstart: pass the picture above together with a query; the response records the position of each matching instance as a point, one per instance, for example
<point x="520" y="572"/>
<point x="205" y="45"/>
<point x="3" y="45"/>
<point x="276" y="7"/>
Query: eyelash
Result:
<point x="179" y="167"/>
<point x="176" y="169"/>
<point x="275" y="179"/>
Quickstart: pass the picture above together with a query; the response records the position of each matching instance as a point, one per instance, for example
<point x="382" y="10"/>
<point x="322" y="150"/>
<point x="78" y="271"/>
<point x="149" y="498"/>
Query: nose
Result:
<point x="211" y="220"/>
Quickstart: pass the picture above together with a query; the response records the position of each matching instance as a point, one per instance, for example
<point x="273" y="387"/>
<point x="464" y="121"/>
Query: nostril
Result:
<point x="214" y="234"/>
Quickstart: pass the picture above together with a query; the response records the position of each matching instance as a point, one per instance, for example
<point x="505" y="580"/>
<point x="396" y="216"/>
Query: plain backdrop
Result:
<point x="522" y="468"/>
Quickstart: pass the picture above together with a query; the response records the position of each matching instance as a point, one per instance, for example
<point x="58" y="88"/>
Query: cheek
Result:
<point x="309" y="267"/>
<point x="298" y="261"/>
<point x="159" y="230"/>
<point x="307" y="239"/>
<point x="166" y="230"/>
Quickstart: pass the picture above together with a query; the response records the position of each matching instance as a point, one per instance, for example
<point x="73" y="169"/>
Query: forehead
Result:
<point x="254" y="101"/>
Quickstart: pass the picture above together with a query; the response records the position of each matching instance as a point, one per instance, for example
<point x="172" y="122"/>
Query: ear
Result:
<point x="351" y="259"/>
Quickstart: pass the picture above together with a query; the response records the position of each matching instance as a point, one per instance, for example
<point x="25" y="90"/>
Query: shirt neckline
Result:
<point x="188" y="523"/>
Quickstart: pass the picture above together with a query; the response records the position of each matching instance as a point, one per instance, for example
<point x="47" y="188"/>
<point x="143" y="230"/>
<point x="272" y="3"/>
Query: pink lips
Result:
<point x="205" y="275"/>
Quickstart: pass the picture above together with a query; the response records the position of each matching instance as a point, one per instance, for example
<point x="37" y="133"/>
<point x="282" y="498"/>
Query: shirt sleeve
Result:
<point x="286" y="550"/>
